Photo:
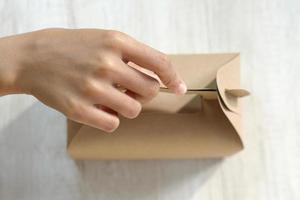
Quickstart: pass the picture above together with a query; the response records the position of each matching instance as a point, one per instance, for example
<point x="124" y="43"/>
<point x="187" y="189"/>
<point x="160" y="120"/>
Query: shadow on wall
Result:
<point x="36" y="142"/>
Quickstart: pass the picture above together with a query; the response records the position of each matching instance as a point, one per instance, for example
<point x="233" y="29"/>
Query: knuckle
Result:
<point x="164" y="62"/>
<point x="105" y="73"/>
<point x="108" y="68"/>
<point x="108" y="61"/>
<point x="113" y="34"/>
<point x="164" y="67"/>
<point x="74" y="110"/>
<point x="114" y="38"/>
<point x="168" y="80"/>
<point x="89" y="87"/>
<point x="153" y="89"/>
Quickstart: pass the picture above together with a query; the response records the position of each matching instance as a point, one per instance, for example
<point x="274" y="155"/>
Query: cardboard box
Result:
<point x="206" y="122"/>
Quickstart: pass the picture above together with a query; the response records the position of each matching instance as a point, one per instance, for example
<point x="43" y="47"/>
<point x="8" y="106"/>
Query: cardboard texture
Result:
<point x="206" y="122"/>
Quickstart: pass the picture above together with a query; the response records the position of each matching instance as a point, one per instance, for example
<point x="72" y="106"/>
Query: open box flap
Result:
<point x="199" y="72"/>
<point x="229" y="90"/>
<point x="228" y="84"/>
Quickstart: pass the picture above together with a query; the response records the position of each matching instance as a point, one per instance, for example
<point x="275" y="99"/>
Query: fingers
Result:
<point x="158" y="63"/>
<point x="144" y="86"/>
<point x="97" y="118"/>
<point x="117" y="101"/>
<point x="102" y="110"/>
<point x="151" y="59"/>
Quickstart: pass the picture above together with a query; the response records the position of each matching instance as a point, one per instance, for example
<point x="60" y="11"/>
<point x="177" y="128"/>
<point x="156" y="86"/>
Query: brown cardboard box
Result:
<point x="206" y="122"/>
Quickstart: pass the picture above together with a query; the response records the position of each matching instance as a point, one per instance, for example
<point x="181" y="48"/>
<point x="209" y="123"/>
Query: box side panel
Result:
<point x="161" y="136"/>
<point x="72" y="129"/>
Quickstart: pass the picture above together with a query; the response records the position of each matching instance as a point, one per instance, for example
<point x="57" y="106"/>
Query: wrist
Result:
<point x="12" y="50"/>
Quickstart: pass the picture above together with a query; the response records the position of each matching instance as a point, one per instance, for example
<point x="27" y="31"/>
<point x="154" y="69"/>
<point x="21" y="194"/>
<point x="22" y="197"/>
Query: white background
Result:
<point x="33" y="159"/>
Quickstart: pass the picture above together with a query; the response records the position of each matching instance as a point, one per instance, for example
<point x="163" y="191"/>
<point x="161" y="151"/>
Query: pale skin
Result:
<point x="76" y="71"/>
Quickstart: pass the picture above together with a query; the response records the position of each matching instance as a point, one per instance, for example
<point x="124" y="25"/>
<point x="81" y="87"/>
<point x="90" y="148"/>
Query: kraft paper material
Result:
<point x="204" y="123"/>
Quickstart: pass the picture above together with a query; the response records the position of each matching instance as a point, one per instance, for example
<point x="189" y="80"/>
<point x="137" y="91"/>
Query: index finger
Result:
<point x="154" y="60"/>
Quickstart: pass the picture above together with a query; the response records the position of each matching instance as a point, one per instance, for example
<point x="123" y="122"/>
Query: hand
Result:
<point x="76" y="71"/>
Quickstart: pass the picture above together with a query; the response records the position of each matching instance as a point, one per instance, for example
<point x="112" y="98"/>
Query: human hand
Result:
<point x="75" y="71"/>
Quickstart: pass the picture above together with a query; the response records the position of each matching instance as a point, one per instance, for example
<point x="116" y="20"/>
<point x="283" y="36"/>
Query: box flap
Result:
<point x="199" y="73"/>
<point x="228" y="84"/>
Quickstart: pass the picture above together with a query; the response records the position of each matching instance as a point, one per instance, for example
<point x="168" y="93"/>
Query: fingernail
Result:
<point x="181" y="89"/>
